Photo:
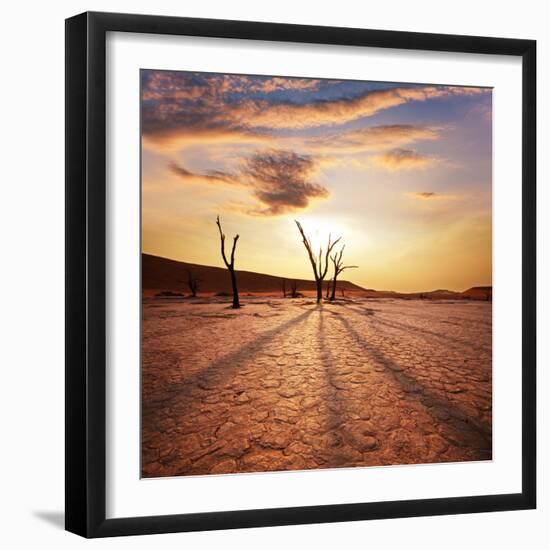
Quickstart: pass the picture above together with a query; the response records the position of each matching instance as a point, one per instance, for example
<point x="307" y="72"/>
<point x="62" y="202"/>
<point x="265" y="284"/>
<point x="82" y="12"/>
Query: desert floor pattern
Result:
<point x="285" y="384"/>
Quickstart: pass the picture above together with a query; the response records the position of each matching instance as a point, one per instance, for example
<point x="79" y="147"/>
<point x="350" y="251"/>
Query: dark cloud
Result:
<point x="426" y="194"/>
<point x="212" y="176"/>
<point x="280" y="181"/>
<point x="204" y="105"/>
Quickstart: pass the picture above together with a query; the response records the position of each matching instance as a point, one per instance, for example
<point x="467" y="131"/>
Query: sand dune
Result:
<point x="479" y="293"/>
<point x="161" y="274"/>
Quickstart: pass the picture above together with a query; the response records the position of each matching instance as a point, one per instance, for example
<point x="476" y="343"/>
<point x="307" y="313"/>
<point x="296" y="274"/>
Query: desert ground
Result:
<point x="286" y="384"/>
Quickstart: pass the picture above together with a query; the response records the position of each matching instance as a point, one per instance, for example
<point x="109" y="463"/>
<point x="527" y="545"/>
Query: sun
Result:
<point x="319" y="228"/>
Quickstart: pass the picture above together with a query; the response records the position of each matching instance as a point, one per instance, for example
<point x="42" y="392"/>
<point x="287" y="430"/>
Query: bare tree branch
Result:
<point x="338" y="268"/>
<point x="235" y="239"/>
<point x="222" y="239"/>
<point x="230" y="265"/>
<point x="319" y="270"/>
<point x="307" y="244"/>
<point x="329" y="250"/>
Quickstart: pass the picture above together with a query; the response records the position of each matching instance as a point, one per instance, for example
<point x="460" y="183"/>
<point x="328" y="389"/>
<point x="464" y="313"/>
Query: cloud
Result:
<point x="212" y="176"/>
<point x="369" y="139"/>
<point x="425" y="195"/>
<point x="183" y="106"/>
<point x="262" y="113"/>
<point x="373" y="138"/>
<point x="279" y="181"/>
<point x="468" y="90"/>
<point x="432" y="195"/>
<point x="482" y="110"/>
<point x="398" y="160"/>
<point x="171" y="138"/>
<point x="178" y="108"/>
<point x="193" y="85"/>
<point x="277" y="83"/>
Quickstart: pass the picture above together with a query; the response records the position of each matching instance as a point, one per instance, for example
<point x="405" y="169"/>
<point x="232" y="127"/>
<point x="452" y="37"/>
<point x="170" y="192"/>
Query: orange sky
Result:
<point x="401" y="172"/>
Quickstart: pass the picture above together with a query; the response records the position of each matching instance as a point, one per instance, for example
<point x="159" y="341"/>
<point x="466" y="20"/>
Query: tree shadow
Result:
<point x="426" y="333"/>
<point x="327" y="358"/>
<point x="337" y="451"/>
<point x="217" y="372"/>
<point x="440" y="407"/>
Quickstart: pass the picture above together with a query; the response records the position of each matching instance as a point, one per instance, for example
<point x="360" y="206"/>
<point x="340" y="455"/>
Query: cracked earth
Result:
<point x="284" y="384"/>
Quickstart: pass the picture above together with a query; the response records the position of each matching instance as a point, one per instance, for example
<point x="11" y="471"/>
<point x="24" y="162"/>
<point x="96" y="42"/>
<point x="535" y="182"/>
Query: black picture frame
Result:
<point x="86" y="274"/>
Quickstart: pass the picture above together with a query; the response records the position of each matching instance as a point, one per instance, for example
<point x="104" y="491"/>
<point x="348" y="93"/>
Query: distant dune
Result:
<point x="474" y="293"/>
<point x="161" y="275"/>
<point x="479" y="293"/>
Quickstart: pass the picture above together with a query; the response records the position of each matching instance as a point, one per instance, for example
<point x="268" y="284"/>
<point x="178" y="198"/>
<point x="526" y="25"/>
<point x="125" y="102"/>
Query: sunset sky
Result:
<point x="402" y="172"/>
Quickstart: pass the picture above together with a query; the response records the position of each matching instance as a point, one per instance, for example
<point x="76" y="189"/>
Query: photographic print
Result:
<point x="316" y="273"/>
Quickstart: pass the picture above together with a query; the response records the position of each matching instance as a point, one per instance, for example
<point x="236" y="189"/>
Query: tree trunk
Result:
<point x="230" y="264"/>
<point x="333" y="294"/>
<point x="236" y="304"/>
<point x="319" y="291"/>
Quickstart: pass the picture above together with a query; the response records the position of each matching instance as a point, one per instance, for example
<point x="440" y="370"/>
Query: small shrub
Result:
<point x="168" y="293"/>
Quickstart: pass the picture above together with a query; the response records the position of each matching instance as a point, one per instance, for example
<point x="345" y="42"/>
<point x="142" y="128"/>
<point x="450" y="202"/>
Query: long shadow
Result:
<point x="426" y="315"/>
<point x="334" y="418"/>
<point x="337" y="448"/>
<point x="214" y="374"/>
<point x="439" y="403"/>
<point x="426" y="333"/>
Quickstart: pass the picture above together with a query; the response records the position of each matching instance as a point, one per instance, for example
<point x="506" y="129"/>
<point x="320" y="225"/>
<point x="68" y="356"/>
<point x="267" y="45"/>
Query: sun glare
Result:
<point x="319" y="228"/>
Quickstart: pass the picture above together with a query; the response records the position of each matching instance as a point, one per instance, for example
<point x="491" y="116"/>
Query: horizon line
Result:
<point x="327" y="279"/>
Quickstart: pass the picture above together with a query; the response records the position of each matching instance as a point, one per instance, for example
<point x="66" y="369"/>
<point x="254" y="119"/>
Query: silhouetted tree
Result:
<point x="338" y="268"/>
<point x="327" y="293"/>
<point x="293" y="289"/>
<point x="192" y="283"/>
<point x="283" y="284"/>
<point x="342" y="292"/>
<point x="230" y="264"/>
<point x="319" y="267"/>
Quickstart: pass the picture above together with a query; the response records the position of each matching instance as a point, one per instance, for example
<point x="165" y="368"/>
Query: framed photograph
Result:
<point x="300" y="274"/>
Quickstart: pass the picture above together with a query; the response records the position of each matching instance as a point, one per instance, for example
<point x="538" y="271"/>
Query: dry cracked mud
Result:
<point x="290" y="385"/>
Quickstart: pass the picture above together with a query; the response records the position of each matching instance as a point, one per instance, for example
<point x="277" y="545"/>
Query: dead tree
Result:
<point x="319" y="266"/>
<point x="342" y="292"/>
<point x="293" y="289"/>
<point x="230" y="264"/>
<point x="192" y="283"/>
<point x="283" y="284"/>
<point x="327" y="293"/>
<point x="338" y="268"/>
